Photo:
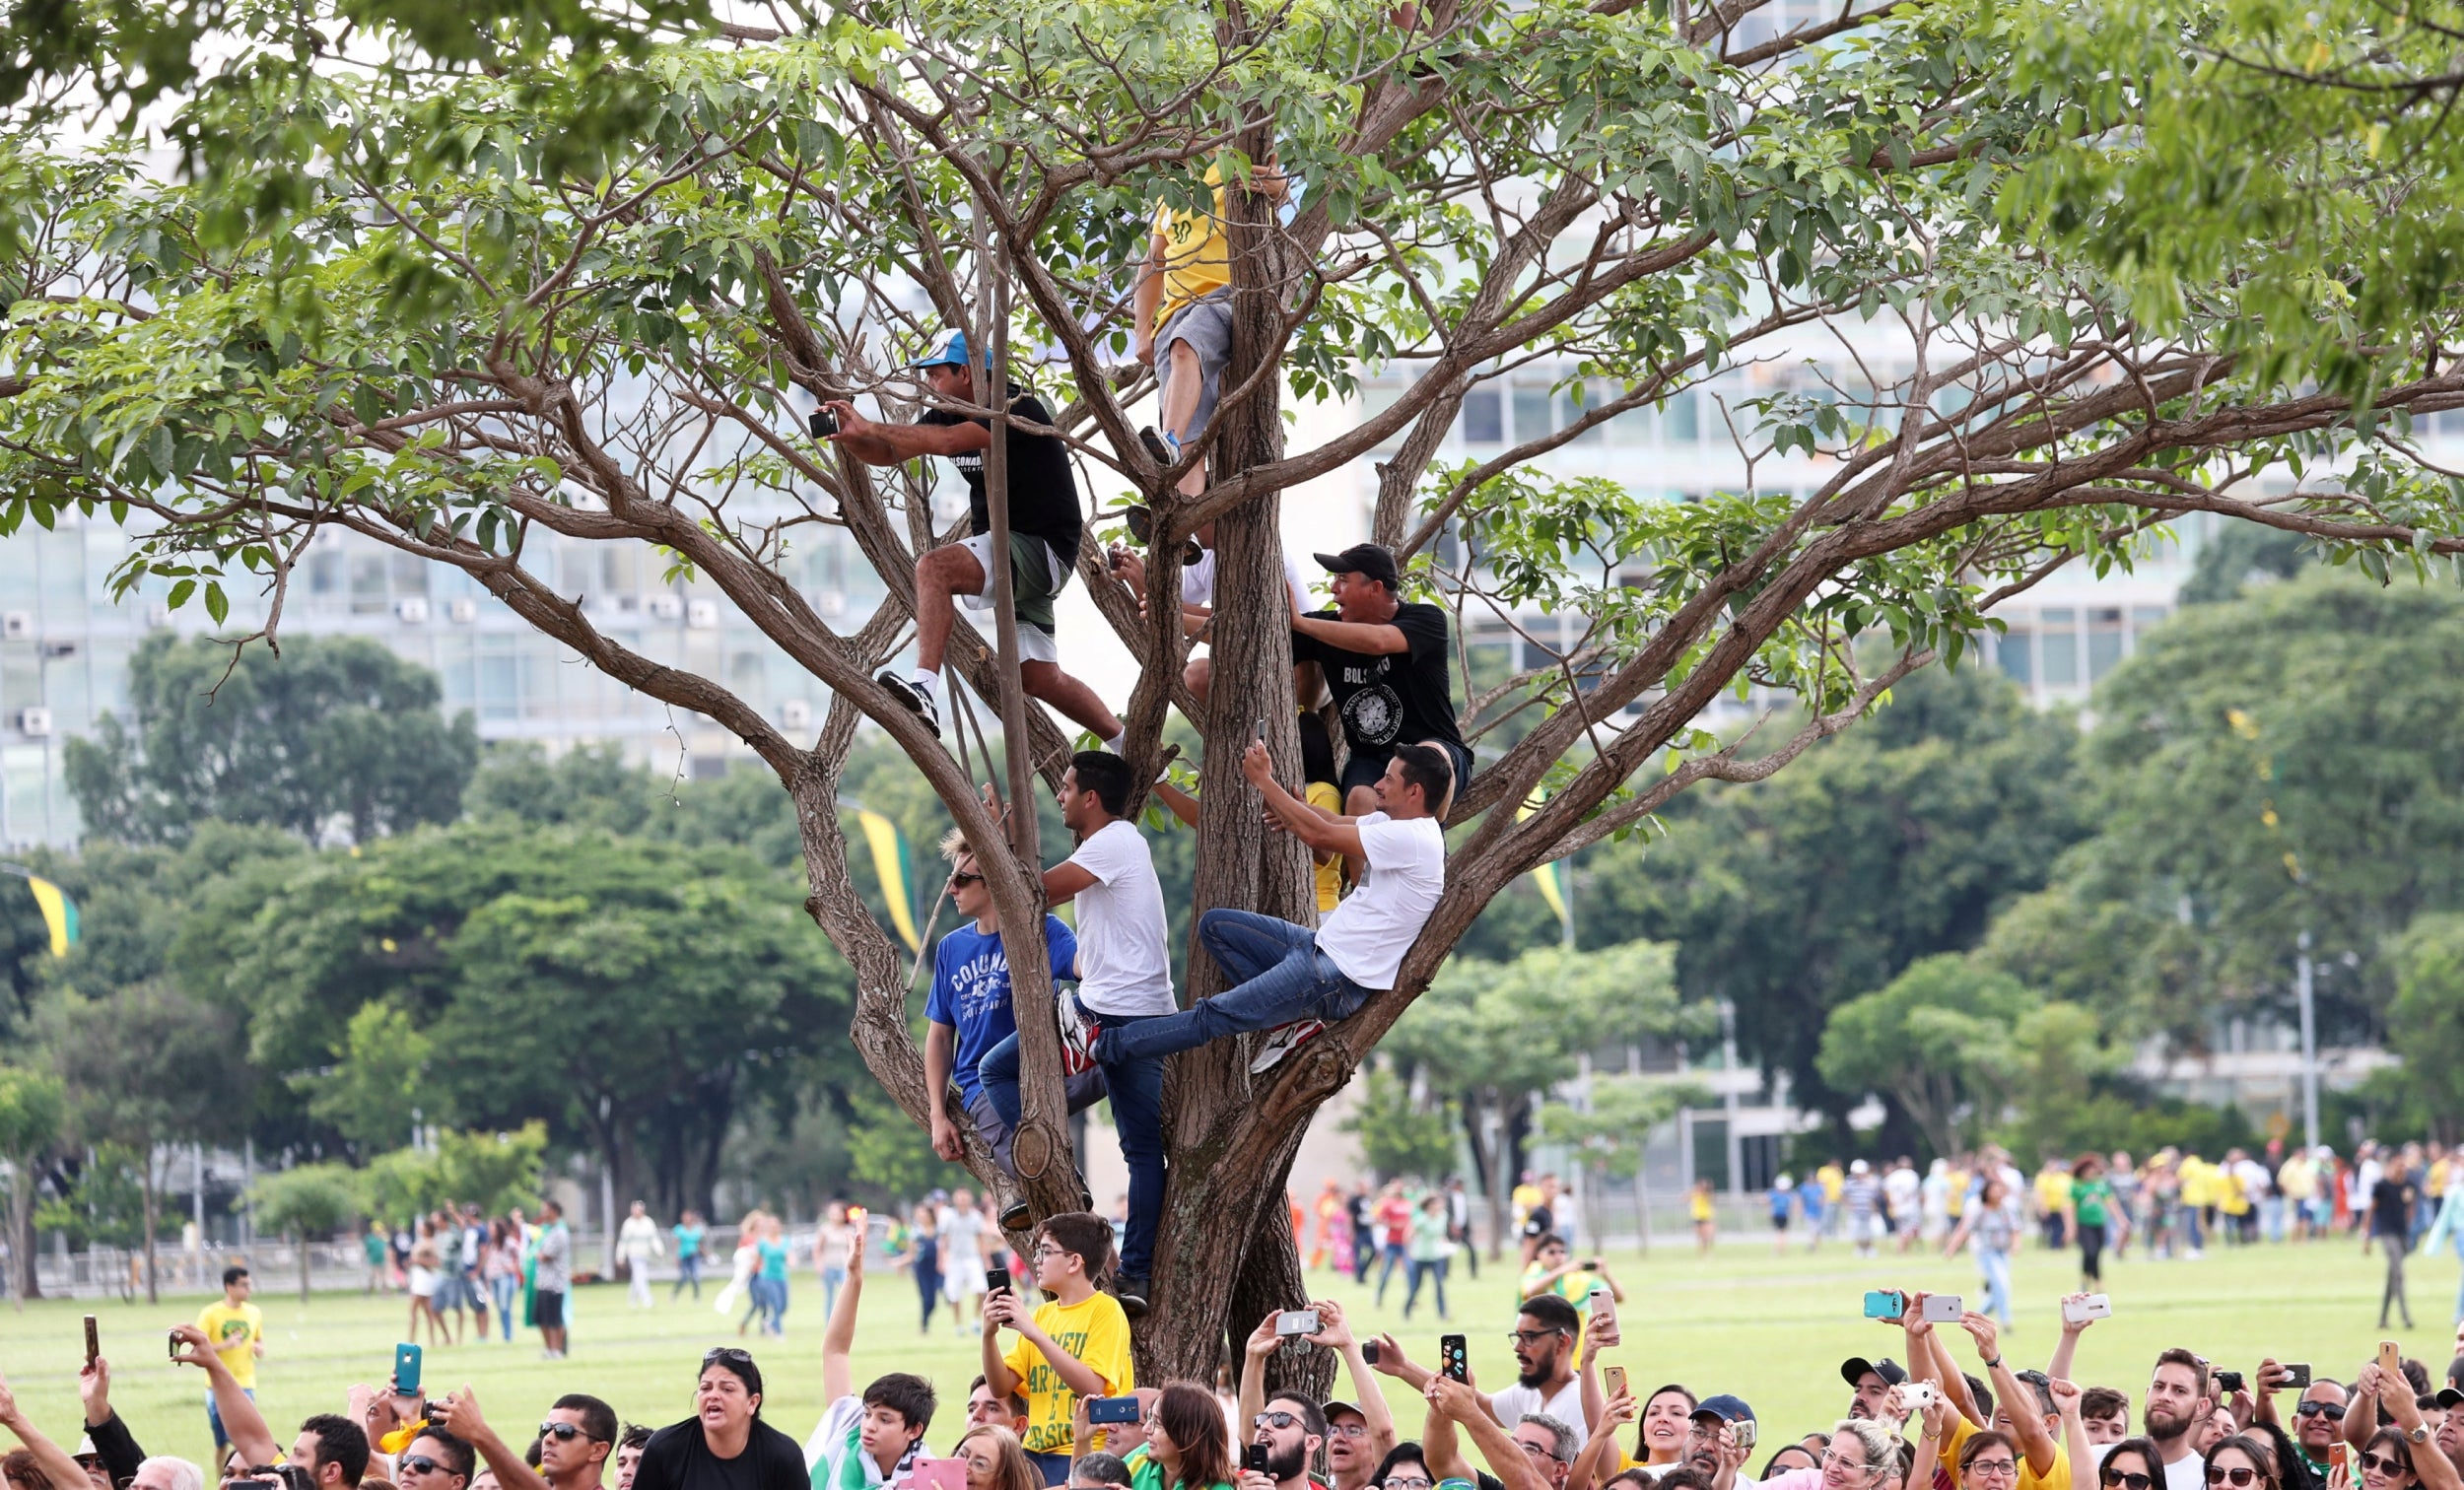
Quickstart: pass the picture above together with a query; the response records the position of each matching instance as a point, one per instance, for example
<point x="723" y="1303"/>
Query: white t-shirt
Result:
<point x="1899" y="1187"/>
<point x="1367" y="935"/>
<point x="1197" y="582"/>
<point x="2185" y="1474"/>
<point x="1566" y="1408"/>
<point x="962" y="1239"/>
<point x="1123" y="966"/>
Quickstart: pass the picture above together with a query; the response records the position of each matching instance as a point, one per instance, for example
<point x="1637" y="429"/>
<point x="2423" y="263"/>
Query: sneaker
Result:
<point x="1079" y="1030"/>
<point x="1165" y="447"/>
<point x="1015" y="1216"/>
<point x="1284" y="1042"/>
<point x="905" y="690"/>
<point x="1132" y="1292"/>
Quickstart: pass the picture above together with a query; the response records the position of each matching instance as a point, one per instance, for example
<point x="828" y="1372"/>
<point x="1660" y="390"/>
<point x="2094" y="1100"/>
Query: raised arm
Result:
<point x="838" y="1337"/>
<point x="1306" y="822"/>
<point x="2066" y="1399"/>
<point x="1337" y="1334"/>
<point x="1613" y="1414"/>
<point x="2429" y="1461"/>
<point x="1455" y="1403"/>
<point x="113" y="1441"/>
<point x="240" y="1419"/>
<point x="1375" y="638"/>
<point x="57" y="1467"/>
<point x="1258" y="1349"/>
<point x="2027" y="1419"/>
<point x="2066" y="1346"/>
<point x="460" y="1415"/>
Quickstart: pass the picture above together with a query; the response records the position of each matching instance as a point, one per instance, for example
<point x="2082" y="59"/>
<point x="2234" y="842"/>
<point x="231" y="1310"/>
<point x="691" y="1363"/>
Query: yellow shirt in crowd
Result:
<point x="234" y="1331"/>
<point x="1095" y="1331"/>
<point x="1331" y="873"/>
<point x="2057" y="1479"/>
<point x="1831" y="1178"/>
<point x="1198" y="259"/>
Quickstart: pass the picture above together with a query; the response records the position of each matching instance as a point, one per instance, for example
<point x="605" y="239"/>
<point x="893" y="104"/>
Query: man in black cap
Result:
<point x="1711" y="1439"/>
<point x="1870" y="1379"/>
<point x="1385" y="661"/>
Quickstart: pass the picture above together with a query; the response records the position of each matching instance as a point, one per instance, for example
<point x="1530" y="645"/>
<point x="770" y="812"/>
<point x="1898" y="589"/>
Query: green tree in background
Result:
<point x="2426" y="1024"/>
<point x="378" y="1080"/>
<point x="305" y="1202"/>
<point x="33" y="1110"/>
<point x="1398" y="1135"/>
<point x="337" y="730"/>
<point x="1937" y="1038"/>
<point x="1609" y="1129"/>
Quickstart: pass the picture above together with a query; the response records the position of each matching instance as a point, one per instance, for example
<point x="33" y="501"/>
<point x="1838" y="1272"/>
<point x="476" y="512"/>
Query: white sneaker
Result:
<point x="1284" y="1042"/>
<point x="905" y="690"/>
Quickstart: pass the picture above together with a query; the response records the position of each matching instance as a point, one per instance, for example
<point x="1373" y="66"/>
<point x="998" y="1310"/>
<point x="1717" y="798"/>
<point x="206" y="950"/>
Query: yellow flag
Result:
<point x="889" y="862"/>
<point x="59" y="913"/>
<point x="1546" y="875"/>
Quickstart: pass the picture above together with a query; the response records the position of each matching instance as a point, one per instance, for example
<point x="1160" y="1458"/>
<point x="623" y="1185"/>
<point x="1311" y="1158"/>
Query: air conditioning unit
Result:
<point x="797" y="714"/>
<point x="34" y="724"/>
<point x="702" y="614"/>
<point x="666" y="607"/>
<point x="17" y="625"/>
<point x="411" y="612"/>
<point x="463" y="611"/>
<point x="57" y="649"/>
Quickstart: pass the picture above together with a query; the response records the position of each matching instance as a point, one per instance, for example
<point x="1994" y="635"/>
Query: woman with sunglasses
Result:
<point x="2243" y="1462"/>
<point x="996" y="1459"/>
<point x="2132" y="1465"/>
<point x="2401" y="1456"/>
<point x="1188" y="1446"/>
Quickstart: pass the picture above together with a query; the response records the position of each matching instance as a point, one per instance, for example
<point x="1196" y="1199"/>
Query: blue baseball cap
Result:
<point x="950" y="353"/>
<point x="1728" y="1409"/>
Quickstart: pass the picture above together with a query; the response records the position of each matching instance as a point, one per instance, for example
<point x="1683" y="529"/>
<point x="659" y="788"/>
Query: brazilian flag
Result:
<point x="895" y="868"/>
<point x="59" y="913"/>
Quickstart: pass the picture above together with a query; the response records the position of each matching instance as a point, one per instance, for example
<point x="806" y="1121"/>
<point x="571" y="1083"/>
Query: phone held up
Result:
<point x="1454" y="1358"/>
<point x="1943" y="1309"/>
<point x="2094" y="1307"/>
<point x="406" y="1371"/>
<point x="1885" y="1304"/>
<point x="1612" y="1381"/>
<point x="2296" y="1375"/>
<point x="1101" y="1411"/>
<point x="1297" y="1321"/>
<point x="1254" y="1458"/>
<point x="93" y="1340"/>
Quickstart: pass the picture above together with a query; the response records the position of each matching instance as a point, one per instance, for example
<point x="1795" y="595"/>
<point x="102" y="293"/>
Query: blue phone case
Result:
<point x="406" y="1370"/>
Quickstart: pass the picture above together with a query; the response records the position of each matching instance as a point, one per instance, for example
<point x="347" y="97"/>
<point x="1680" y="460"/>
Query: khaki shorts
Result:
<point x="1036" y="574"/>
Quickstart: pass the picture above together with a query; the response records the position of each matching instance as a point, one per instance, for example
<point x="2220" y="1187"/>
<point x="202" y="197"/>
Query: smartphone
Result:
<point x="939" y="1475"/>
<point x="1454" y="1358"/>
<point x="1744" y="1428"/>
<point x="174" y="1344"/>
<point x="2297" y="1374"/>
<point x="406" y="1371"/>
<point x="824" y="423"/>
<point x="1254" y="1458"/>
<point x="93" y="1340"/>
<point x="1261" y="726"/>
<point x="2094" y="1307"/>
<point x="1612" y="1381"/>
<point x="1916" y="1396"/>
<point x="1603" y="1302"/>
<point x="1120" y="1409"/>
<point x="1943" y="1309"/>
<point x="1297" y="1321"/>
<point x="2336" y="1458"/>
<point x="1369" y="1351"/>
<point x="1885" y="1304"/>
<point x="2391" y="1359"/>
<point x="2229" y="1382"/>
<point x="996" y="1279"/>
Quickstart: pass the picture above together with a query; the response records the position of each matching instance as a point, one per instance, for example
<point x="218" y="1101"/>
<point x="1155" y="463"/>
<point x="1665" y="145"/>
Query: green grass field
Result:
<point x="1770" y="1330"/>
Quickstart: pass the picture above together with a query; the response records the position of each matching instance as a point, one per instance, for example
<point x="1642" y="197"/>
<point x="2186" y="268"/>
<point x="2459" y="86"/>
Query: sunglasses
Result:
<point x="956" y="878"/>
<point x="2126" y="1480"/>
<point x="420" y="1463"/>
<point x="2239" y="1476"/>
<point x="1275" y="1419"/>
<point x="2384" y="1463"/>
<point x="2318" y="1409"/>
<point x="566" y="1433"/>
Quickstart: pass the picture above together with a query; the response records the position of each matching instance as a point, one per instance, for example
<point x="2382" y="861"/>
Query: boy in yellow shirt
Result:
<point x="238" y="1330"/>
<point x="1183" y="306"/>
<point x="1075" y="1345"/>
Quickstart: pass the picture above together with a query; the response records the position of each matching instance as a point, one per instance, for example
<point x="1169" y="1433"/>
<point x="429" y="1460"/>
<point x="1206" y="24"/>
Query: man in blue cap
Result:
<point x="1043" y="523"/>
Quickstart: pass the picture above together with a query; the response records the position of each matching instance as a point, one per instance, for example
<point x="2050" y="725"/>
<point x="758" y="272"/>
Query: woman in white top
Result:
<point x="424" y="1277"/>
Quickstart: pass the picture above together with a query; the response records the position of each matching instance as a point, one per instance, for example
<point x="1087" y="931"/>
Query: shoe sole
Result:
<point x="1156" y="447"/>
<point x="904" y="692"/>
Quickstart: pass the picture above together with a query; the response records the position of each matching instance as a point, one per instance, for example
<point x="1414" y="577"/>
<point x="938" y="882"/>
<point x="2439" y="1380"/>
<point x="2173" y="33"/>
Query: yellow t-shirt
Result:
<point x="1197" y="258"/>
<point x="2057" y="1479"/>
<point x="1700" y="1205"/>
<point x="1095" y="1331"/>
<point x="1956" y="1194"/>
<point x="234" y="1334"/>
<point x="1833" y="1178"/>
<point x="1325" y="795"/>
<point x="2196" y="1190"/>
<point x="2053" y="1191"/>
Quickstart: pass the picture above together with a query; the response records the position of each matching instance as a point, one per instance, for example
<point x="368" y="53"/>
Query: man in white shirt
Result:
<point x="1197" y="600"/>
<point x="2180" y="1397"/>
<point x="1290" y="976"/>
<point x="1124" y="981"/>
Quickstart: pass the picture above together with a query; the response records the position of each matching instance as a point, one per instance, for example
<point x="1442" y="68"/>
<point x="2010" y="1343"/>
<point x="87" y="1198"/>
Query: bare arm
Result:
<point x="240" y="1419"/>
<point x="57" y="1467"/>
<point x="1306" y="822"/>
<point x="876" y="443"/>
<point x="838" y="1337"/>
<point x="941" y="1040"/>
<point x="1184" y="806"/>
<point x="2028" y="1421"/>
<point x="998" y="1306"/>
<point x="1063" y="881"/>
<point x="460" y="1415"/>
<point x="1148" y="296"/>
<point x="2436" y="1470"/>
<point x="1258" y="1348"/>
<point x="2059" y="1368"/>
<point x="1373" y="639"/>
<point x="1588" y="1469"/>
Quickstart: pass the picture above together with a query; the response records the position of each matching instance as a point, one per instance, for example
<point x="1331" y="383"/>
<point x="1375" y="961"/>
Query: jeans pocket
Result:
<point x="1343" y="1000"/>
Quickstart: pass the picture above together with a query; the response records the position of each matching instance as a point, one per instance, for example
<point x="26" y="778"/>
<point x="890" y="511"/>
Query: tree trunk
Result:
<point x="22" y="1181"/>
<point x="153" y="1291"/>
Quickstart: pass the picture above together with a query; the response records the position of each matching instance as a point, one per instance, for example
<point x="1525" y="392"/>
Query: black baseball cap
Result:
<point x="1371" y="559"/>
<point x="1728" y="1409"/>
<point x="1855" y="1367"/>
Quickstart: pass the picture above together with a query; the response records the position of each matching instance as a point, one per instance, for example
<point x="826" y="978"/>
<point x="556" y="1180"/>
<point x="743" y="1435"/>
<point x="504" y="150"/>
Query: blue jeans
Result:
<point x="688" y="1270"/>
<point x="1054" y="1468"/>
<point x="507" y="1288"/>
<point x="1996" y="1266"/>
<point x="213" y="1418"/>
<point x="1135" y="1084"/>
<point x="831" y="1279"/>
<point x="1278" y="974"/>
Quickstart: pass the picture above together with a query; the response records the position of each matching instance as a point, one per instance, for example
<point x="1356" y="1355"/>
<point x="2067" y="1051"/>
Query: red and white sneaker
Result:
<point x="1078" y="1033"/>
<point x="1284" y="1042"/>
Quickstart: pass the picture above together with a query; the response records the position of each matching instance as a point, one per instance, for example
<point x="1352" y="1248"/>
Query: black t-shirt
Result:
<point x="1538" y="1222"/>
<point x="1388" y="699"/>
<point x="2391" y="1208"/>
<point x="1042" y="496"/>
<point x="678" y="1458"/>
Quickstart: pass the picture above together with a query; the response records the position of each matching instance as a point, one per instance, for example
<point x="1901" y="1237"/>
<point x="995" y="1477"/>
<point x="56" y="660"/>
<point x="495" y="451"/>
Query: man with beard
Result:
<point x="1545" y="1333"/>
<point x="1293" y="1430"/>
<point x="724" y="1444"/>
<point x="2180" y="1400"/>
<point x="1868" y="1380"/>
<point x="1711" y="1437"/>
<point x="2317" y="1417"/>
<point x="1357" y="1437"/>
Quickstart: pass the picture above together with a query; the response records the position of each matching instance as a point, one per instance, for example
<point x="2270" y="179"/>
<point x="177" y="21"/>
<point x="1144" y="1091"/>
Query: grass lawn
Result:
<point x="1771" y="1330"/>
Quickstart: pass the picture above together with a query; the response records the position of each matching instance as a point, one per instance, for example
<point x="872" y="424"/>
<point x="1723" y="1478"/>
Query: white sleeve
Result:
<point x="1099" y="856"/>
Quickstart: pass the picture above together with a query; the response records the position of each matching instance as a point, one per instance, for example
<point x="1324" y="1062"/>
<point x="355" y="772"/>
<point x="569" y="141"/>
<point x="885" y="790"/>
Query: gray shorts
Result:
<point x="1205" y="323"/>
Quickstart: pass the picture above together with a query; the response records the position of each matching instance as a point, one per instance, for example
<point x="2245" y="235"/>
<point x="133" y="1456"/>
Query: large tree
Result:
<point x="405" y="300"/>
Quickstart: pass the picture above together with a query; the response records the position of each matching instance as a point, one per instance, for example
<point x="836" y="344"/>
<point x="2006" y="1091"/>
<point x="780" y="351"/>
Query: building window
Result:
<point x="1530" y="412"/>
<point x="2105" y="640"/>
<point x="2058" y="647"/>
<point x="2010" y="650"/>
<point x="1483" y="417"/>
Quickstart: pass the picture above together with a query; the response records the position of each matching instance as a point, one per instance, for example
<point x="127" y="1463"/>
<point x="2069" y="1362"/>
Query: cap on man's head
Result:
<point x="1860" y="1166"/>
<point x="949" y="351"/>
<point x="1373" y="559"/>
<point x="2448" y="1396"/>
<point x="1728" y="1409"/>
<point x="1853" y="1370"/>
<point x="1337" y="1407"/>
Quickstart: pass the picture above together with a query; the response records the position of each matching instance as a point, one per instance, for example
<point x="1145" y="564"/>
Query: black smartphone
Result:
<point x="93" y="1340"/>
<point x="1369" y="1351"/>
<point x="996" y="1279"/>
<point x="174" y="1352"/>
<point x="1254" y="1458"/>
<point x="823" y="423"/>
<point x="1261" y="726"/>
<point x="2297" y="1374"/>
<point x="1113" y="1409"/>
<point x="1454" y="1358"/>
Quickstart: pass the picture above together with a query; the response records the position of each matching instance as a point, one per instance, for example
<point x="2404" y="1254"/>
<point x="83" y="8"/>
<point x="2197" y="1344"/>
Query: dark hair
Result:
<point x="1017" y="1398"/>
<point x="1983" y="1395"/>
<point x="1980" y="1441"/>
<point x="1551" y="1311"/>
<point x="1691" y="1402"/>
<point x="1312" y="1416"/>
<point x="1405" y="1452"/>
<point x="1431" y="768"/>
<point x="2259" y="1453"/>
<point x="2042" y="1387"/>
<point x="2102" y="1402"/>
<point x="1685" y="1478"/>
<point x="736" y="1363"/>
<point x="456" y="1454"/>
<point x="910" y="1397"/>
<point x="2418" y="1374"/>
<point x="1193" y="1420"/>
<point x="2181" y="1357"/>
<point x="1772" y="1465"/>
<point x="1317" y="749"/>
<point x="233" y="1274"/>
<point x="1098" y="1468"/>
<point x="552" y="1208"/>
<point x="339" y="1442"/>
<point x="20" y="1467"/>
<point x="636" y="1436"/>
<point x="599" y="1419"/>
<point x="1106" y="776"/>
<point x="1638" y="1477"/>
<point x="1083" y="1234"/>
<point x="2393" y="1438"/>
<point x="1547" y="1239"/>
<point x="2143" y="1446"/>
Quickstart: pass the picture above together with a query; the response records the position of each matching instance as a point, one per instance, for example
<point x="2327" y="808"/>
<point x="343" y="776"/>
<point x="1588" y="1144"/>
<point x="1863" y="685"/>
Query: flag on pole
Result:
<point x="890" y="866"/>
<point x="59" y="913"/>
<point x="1551" y="877"/>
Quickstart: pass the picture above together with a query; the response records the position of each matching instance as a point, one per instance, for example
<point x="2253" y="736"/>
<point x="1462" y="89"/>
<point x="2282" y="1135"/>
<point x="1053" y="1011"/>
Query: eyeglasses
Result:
<point x="420" y="1463"/>
<point x="1351" y="1430"/>
<point x="1998" y="1468"/>
<point x="2383" y="1463"/>
<point x="1530" y="1337"/>
<point x="2113" y="1476"/>
<point x="566" y="1433"/>
<point x="1276" y="1419"/>
<point x="2308" y="1408"/>
<point x="2241" y="1474"/>
<point x="1045" y="1254"/>
<point x="1538" y="1451"/>
<point x="1408" y="1482"/>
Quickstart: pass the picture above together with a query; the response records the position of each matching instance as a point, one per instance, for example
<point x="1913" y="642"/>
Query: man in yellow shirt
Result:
<point x="1075" y="1345"/>
<point x="238" y="1330"/>
<point x="1183" y="306"/>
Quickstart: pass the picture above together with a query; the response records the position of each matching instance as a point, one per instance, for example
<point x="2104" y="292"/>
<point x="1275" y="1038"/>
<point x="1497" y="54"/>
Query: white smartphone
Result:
<point x="1916" y="1396"/>
<point x="1943" y="1309"/>
<point x="1297" y="1321"/>
<point x="2094" y="1307"/>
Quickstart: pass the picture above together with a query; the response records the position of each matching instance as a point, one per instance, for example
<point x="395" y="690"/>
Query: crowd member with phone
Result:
<point x="1536" y="1454"/>
<point x="576" y="1441"/>
<point x="1121" y="1420"/>
<point x="1286" y="1439"/>
<point x="237" y="1328"/>
<point x="866" y="1440"/>
<point x="1124" y="986"/>
<point x="994" y="1460"/>
<point x="50" y="1458"/>
<point x="2026" y="1412"/>
<point x="114" y="1445"/>
<point x="1546" y="1336"/>
<point x="1357" y="1436"/>
<point x="2317" y="1414"/>
<point x="435" y="1460"/>
<point x="1074" y="1344"/>
<point x="1285" y="974"/>
<point x="724" y="1444"/>
<point x="1189" y="1445"/>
